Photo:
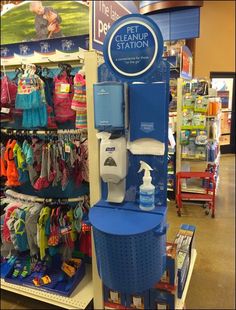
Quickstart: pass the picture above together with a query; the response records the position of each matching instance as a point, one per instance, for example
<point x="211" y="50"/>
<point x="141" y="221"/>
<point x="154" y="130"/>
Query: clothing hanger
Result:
<point x="82" y="71"/>
<point x="45" y="72"/>
<point x="38" y="70"/>
<point x="18" y="71"/>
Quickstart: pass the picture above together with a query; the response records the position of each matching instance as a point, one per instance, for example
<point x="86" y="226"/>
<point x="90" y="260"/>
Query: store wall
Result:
<point x="215" y="49"/>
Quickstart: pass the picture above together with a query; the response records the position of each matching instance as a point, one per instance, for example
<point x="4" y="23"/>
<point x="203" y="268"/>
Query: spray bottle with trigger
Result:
<point x="147" y="189"/>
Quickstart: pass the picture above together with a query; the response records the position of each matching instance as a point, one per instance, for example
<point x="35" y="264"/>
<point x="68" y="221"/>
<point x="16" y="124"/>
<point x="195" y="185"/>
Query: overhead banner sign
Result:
<point x="105" y="13"/>
<point x="37" y="29"/>
<point x="133" y="46"/>
<point x="32" y="21"/>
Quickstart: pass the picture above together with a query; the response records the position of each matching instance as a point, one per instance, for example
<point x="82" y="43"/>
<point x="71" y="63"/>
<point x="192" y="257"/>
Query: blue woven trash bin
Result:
<point x="130" y="248"/>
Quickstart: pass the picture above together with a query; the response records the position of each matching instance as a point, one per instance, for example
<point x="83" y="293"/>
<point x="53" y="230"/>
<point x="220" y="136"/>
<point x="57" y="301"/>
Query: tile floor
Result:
<point x="213" y="281"/>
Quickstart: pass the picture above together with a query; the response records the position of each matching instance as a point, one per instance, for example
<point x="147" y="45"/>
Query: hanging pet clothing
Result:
<point x="79" y="101"/>
<point x="31" y="99"/>
<point x="11" y="171"/>
<point x="62" y="99"/>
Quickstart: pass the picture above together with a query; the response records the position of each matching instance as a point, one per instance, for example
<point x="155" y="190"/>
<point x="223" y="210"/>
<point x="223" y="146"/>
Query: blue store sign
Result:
<point x="133" y="46"/>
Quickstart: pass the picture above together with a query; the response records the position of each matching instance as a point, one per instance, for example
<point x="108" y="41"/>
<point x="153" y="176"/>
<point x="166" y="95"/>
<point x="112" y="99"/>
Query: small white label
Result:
<point x="162" y="307"/>
<point x="65" y="88"/>
<point x="67" y="148"/>
<point x="147" y="127"/>
<point x="114" y="296"/>
<point x="5" y="110"/>
<point x="137" y="301"/>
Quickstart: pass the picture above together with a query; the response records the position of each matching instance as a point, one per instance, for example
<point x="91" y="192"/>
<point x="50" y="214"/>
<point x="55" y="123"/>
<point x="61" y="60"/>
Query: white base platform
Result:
<point x="79" y="299"/>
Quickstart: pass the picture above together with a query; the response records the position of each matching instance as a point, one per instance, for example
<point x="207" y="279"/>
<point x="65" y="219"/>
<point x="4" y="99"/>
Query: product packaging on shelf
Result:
<point x="138" y="301"/>
<point x="201" y="104"/>
<point x="47" y="276"/>
<point x="160" y="299"/>
<point x="188" y="101"/>
<point x="169" y="278"/>
<point x="117" y="300"/>
<point x="113" y="299"/>
<point x="184" y="241"/>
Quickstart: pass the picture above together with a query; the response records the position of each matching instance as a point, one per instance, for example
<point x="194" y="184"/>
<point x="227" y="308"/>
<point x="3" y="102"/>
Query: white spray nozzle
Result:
<point x="144" y="166"/>
<point x="103" y="135"/>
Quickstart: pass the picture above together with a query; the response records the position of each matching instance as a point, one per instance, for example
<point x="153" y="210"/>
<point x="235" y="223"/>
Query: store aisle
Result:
<point x="213" y="281"/>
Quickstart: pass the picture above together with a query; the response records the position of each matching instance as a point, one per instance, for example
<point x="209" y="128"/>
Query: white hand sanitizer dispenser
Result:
<point x="113" y="165"/>
<point x="147" y="189"/>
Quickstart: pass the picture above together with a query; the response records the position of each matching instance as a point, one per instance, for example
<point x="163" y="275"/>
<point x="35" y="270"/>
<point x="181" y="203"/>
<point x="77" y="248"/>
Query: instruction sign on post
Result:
<point x="132" y="46"/>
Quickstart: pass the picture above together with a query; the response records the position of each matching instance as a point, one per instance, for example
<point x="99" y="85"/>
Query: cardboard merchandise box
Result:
<point x="138" y="301"/>
<point x="169" y="278"/>
<point x="185" y="243"/>
<point x="113" y="299"/>
<point x="161" y="299"/>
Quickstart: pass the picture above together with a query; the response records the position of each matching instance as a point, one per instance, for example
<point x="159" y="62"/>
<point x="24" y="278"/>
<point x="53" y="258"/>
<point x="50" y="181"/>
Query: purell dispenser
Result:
<point x="113" y="165"/>
<point x="109" y="106"/>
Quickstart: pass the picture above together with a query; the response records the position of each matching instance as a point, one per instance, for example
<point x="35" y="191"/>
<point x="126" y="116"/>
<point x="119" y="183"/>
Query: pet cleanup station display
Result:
<point x="131" y="116"/>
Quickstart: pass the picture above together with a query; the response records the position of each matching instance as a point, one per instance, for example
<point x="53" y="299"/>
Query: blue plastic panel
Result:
<point x="116" y="221"/>
<point x="158" y="163"/>
<point x="147" y="111"/>
<point x="179" y="24"/>
<point x="108" y="106"/>
<point x="161" y="210"/>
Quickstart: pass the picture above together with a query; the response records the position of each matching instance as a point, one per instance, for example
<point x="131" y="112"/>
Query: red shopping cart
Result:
<point x="207" y="198"/>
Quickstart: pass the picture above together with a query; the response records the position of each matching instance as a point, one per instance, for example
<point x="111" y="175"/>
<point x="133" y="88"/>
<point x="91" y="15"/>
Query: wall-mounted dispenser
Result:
<point x="109" y="106"/>
<point x="147" y="103"/>
<point x="113" y="165"/>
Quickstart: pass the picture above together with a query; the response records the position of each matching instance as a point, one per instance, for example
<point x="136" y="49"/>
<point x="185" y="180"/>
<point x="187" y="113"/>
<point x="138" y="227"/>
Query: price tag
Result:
<point x="67" y="148"/>
<point x="5" y="110"/>
<point x="65" y="88"/>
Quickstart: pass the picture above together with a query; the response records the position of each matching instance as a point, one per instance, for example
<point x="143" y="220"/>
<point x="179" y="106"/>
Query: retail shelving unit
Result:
<point x="194" y="164"/>
<point x="83" y="294"/>
<point x="79" y="299"/>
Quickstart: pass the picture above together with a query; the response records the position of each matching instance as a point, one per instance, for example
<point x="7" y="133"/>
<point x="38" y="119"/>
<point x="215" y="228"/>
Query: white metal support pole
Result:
<point x="91" y="64"/>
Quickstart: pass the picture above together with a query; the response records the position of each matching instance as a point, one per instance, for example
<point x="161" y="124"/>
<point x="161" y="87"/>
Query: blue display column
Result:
<point x="129" y="242"/>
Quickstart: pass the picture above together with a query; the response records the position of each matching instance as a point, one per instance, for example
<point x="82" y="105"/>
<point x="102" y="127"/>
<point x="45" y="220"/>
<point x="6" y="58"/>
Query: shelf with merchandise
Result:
<point x="80" y="298"/>
<point x="180" y="302"/>
<point x="198" y="133"/>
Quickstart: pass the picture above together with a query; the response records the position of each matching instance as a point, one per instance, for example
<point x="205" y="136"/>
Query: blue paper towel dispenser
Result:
<point x="109" y="107"/>
<point x="148" y="109"/>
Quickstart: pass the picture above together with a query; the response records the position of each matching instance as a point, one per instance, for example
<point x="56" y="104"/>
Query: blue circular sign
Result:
<point x="133" y="45"/>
